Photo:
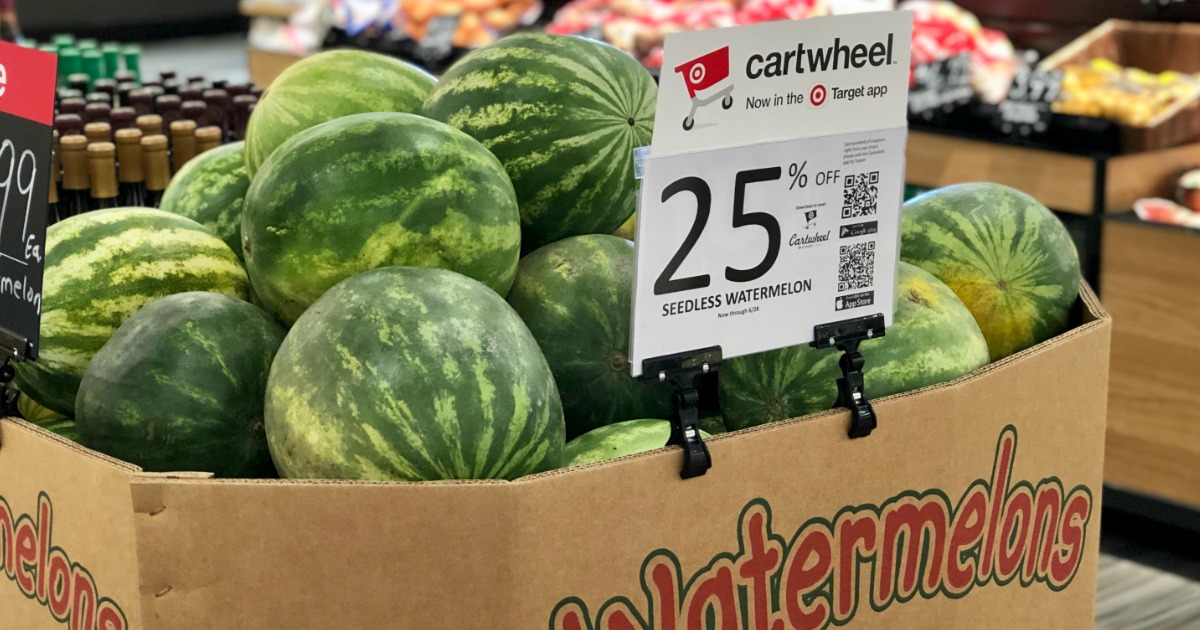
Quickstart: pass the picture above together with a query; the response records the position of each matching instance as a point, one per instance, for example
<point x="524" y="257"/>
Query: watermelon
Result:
<point x="933" y="339"/>
<point x="412" y="374"/>
<point x="564" y="115"/>
<point x="35" y="413"/>
<point x="62" y="427"/>
<point x="1007" y="257"/>
<point x="103" y="266"/>
<point x="326" y="86"/>
<point x="575" y="297"/>
<point x="376" y="190"/>
<point x="618" y="440"/>
<point x="180" y="386"/>
<point x="628" y="229"/>
<point x="210" y="189"/>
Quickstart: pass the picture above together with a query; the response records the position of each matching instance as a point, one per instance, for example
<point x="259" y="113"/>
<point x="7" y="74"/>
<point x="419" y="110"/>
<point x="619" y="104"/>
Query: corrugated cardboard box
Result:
<point x="975" y="504"/>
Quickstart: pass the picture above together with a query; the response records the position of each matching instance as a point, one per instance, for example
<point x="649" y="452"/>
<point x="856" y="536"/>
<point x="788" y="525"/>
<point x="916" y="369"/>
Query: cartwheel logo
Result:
<point x="915" y="543"/>
<point x="46" y="574"/>
<point x="702" y="74"/>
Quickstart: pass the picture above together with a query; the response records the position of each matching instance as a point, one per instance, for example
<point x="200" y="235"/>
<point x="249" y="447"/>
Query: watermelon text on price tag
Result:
<point x="26" y="110"/>
<point x="771" y="199"/>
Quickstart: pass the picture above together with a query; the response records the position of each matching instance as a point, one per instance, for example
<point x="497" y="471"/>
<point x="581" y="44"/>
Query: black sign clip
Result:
<point x="683" y="370"/>
<point x="846" y="335"/>
<point x="8" y="396"/>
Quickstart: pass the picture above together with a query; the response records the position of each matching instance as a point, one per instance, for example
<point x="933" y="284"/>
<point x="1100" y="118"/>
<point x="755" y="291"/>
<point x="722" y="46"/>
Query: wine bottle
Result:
<point x="98" y="132"/>
<point x="93" y="65"/>
<point x="66" y="92"/>
<point x="157" y="168"/>
<point x="133" y="60"/>
<point x="123" y="118"/>
<point x="207" y="138"/>
<point x="97" y="112"/>
<point x="219" y="110"/>
<point x="68" y="125"/>
<point x="131" y="178"/>
<point x="69" y="64"/>
<point x="194" y="111"/>
<point x="167" y="74"/>
<point x="242" y="106"/>
<point x="72" y="106"/>
<point x="150" y="124"/>
<point x="75" y="185"/>
<point x="183" y="142"/>
<point x="112" y="59"/>
<point x="102" y="171"/>
<point x="142" y="101"/>
<point x="191" y="93"/>
<point x="168" y="106"/>
<point x="55" y="166"/>
<point x="123" y="90"/>
<point x="98" y="97"/>
<point x="125" y="76"/>
<point x="106" y="86"/>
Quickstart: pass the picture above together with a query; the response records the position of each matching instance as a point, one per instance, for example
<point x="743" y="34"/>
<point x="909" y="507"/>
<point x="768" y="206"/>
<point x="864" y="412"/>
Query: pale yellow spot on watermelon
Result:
<point x="312" y="439"/>
<point x="1005" y="319"/>
<point x="64" y="360"/>
<point x="349" y="361"/>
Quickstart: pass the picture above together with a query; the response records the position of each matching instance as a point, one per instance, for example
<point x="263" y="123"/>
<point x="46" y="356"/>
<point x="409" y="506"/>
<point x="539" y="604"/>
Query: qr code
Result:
<point x="856" y="266"/>
<point x="860" y="195"/>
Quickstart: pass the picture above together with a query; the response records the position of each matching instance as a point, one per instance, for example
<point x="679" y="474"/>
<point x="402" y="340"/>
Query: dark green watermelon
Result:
<point x="575" y="297"/>
<point x="180" y="387"/>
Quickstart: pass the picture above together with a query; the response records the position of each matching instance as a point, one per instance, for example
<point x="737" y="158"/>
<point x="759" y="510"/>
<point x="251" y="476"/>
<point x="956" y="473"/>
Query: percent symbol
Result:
<point x="796" y="172"/>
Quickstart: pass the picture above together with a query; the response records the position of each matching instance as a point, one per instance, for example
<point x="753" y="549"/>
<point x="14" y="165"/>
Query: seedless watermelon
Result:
<point x="617" y="440"/>
<point x="376" y="190"/>
<point x="326" y="86"/>
<point x="933" y="339"/>
<point x="1003" y="253"/>
<point x="210" y="190"/>
<point x="413" y="374"/>
<point x="575" y="296"/>
<point x="103" y="266"/>
<point x="563" y="114"/>
<point x="180" y="386"/>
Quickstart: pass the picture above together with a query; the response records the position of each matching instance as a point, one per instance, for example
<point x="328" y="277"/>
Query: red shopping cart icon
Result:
<point x="703" y="73"/>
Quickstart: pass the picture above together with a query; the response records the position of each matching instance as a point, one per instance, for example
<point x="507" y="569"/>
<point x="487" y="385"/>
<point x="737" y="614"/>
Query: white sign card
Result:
<point x="771" y="198"/>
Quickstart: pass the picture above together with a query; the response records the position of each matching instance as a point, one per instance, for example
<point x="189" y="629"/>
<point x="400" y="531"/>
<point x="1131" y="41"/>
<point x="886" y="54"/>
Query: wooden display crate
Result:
<point x="1151" y="278"/>
<point x="266" y="65"/>
<point x="1153" y="48"/>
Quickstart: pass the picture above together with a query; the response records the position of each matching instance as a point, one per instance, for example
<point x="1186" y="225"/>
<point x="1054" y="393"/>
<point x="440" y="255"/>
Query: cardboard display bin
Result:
<point x="975" y="504"/>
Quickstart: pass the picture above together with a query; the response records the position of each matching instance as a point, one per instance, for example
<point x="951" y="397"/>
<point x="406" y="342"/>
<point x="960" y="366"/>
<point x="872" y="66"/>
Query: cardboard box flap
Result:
<point x="228" y="554"/>
<point x="77" y="501"/>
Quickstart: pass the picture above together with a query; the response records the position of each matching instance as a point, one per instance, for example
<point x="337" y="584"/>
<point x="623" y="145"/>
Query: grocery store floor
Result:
<point x="1149" y="574"/>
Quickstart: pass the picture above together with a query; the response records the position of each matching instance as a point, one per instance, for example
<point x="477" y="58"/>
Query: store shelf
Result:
<point x="267" y="10"/>
<point x="1151" y="280"/>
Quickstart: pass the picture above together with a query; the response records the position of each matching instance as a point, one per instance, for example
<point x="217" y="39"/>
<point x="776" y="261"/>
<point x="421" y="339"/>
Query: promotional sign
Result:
<point x="26" y="113"/>
<point x="941" y="86"/>
<point x="770" y="202"/>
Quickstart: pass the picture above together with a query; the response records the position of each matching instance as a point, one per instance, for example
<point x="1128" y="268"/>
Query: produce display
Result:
<point x="1006" y="256"/>
<point x="942" y="29"/>
<point x="618" y="440"/>
<point x="412" y="374"/>
<point x="575" y="295"/>
<point x="180" y="386"/>
<point x="477" y="22"/>
<point x="376" y="190"/>
<point x="386" y="228"/>
<point x="210" y="190"/>
<point x="1131" y="96"/>
<point x="933" y="339"/>
<point x="564" y="115"/>
<point x="103" y="266"/>
<point x="639" y="27"/>
<point x="326" y="86"/>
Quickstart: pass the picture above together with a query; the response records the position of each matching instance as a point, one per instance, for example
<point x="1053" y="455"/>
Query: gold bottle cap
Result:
<point x="74" y="161"/>
<point x="150" y="124"/>
<point x="102" y="169"/>
<point x="129" y="156"/>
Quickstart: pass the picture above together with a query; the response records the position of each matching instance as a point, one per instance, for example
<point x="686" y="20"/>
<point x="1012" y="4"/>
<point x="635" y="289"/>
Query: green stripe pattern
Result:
<point x="617" y="440"/>
<point x="210" y="190"/>
<point x="1009" y="259"/>
<point x="412" y="374"/>
<point x="103" y="266"/>
<point x="36" y="413"/>
<point x="563" y="114"/>
<point x="376" y="190"/>
<point x="933" y="339"/>
<point x="575" y="296"/>
<point x="181" y="385"/>
<point x="326" y="86"/>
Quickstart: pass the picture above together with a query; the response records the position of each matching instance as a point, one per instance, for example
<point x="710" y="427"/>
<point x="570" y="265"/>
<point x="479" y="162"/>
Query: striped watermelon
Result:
<point x="376" y="190"/>
<point x="575" y="297"/>
<point x="35" y="413"/>
<point x="413" y="374"/>
<point x="180" y="386"/>
<point x="101" y="267"/>
<point x="618" y="440"/>
<point x="326" y="86"/>
<point x="62" y="427"/>
<point x="563" y="114"/>
<point x="210" y="189"/>
<point x="1005" y="255"/>
<point x="628" y="229"/>
<point x="933" y="339"/>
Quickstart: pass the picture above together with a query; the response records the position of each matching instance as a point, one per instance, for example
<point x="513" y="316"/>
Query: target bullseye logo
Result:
<point x="817" y="95"/>
<point x="697" y="73"/>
